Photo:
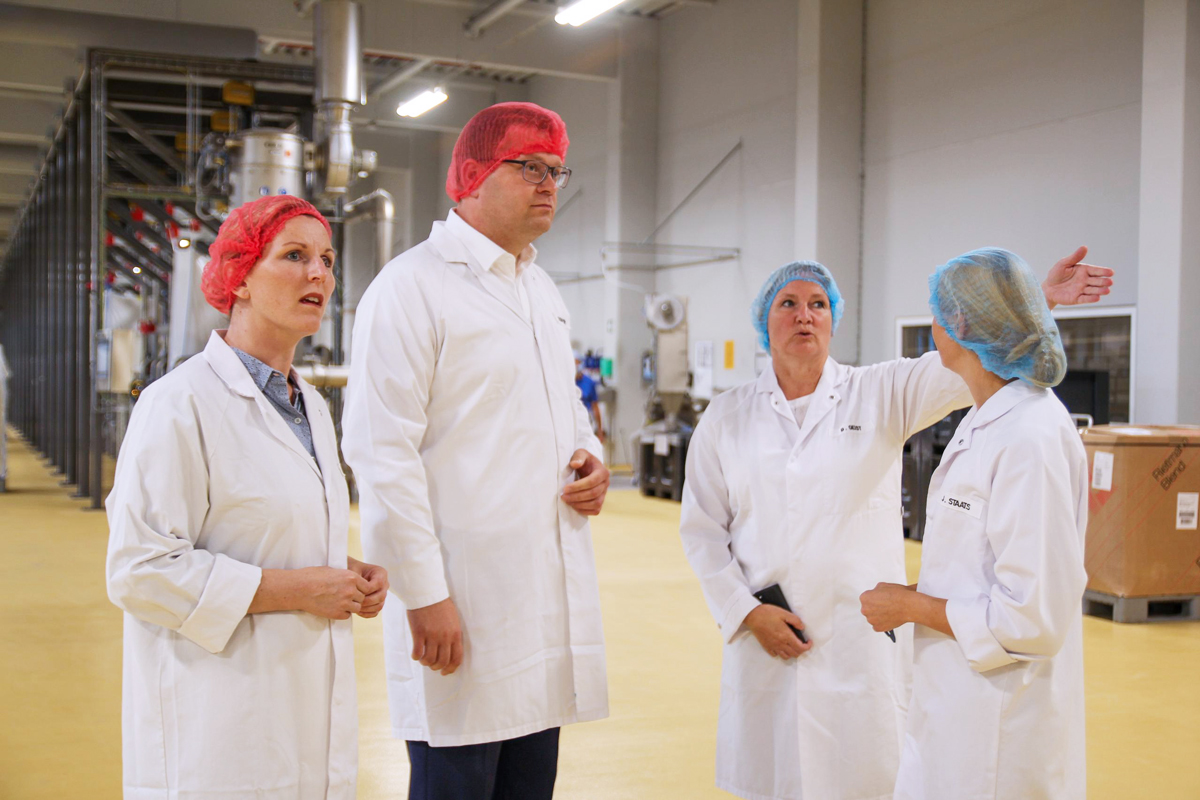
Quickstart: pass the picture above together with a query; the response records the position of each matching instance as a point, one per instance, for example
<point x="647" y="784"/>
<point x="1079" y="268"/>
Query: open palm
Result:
<point x="1071" y="282"/>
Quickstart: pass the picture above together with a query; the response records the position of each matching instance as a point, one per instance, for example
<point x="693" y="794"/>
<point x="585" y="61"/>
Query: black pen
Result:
<point x="891" y="635"/>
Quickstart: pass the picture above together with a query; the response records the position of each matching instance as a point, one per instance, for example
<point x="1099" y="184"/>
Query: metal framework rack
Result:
<point x="95" y="222"/>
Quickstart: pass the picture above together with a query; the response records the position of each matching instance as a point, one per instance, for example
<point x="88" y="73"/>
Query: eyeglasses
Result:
<point x="536" y="172"/>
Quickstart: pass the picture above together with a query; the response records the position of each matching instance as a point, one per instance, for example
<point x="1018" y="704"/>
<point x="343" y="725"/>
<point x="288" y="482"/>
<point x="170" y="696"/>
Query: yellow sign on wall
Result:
<point x="729" y="354"/>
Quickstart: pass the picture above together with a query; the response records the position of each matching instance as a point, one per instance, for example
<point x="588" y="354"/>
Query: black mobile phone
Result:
<point x="773" y="596"/>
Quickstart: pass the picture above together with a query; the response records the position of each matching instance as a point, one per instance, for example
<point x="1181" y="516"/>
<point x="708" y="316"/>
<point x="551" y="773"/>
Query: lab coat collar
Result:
<point x="233" y="372"/>
<point x="228" y="366"/>
<point x="1009" y="397"/>
<point x="454" y="250"/>
<point x="824" y="397"/>
<point x="832" y="376"/>
<point x="483" y="249"/>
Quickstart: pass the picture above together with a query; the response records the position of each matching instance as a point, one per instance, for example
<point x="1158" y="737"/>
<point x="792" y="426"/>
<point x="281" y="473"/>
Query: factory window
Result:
<point x="1099" y="348"/>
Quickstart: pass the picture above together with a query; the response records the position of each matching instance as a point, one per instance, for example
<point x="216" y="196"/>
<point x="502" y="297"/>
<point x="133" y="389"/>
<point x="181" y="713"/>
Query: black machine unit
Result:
<point x="922" y="454"/>
<point x="662" y="475"/>
<point x="1085" y="391"/>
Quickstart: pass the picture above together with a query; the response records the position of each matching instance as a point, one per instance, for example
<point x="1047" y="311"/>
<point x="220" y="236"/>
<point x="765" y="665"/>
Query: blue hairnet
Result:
<point x="809" y="271"/>
<point x="990" y="302"/>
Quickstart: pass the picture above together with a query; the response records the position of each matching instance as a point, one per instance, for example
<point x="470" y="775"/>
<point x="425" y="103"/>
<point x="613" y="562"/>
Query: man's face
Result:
<point x="505" y="200"/>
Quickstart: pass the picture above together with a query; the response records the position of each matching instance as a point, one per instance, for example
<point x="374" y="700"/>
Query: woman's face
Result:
<point x="290" y="287"/>
<point x="800" y="322"/>
<point x="949" y="350"/>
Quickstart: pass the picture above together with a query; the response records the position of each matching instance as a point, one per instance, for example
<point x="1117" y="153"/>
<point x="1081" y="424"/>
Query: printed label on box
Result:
<point x="1187" y="504"/>
<point x="1102" y="471"/>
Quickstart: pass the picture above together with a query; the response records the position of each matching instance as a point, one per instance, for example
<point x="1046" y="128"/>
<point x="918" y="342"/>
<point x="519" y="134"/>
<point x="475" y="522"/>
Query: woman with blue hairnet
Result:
<point x="997" y="703"/>
<point x="793" y="481"/>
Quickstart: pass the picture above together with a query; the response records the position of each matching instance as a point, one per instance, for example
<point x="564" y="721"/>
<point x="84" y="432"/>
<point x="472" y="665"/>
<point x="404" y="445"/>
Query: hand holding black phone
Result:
<point x="773" y="596"/>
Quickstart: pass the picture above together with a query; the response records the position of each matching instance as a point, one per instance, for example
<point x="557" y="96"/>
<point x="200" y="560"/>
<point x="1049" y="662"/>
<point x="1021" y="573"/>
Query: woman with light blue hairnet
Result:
<point x="997" y="706"/>
<point x="793" y="488"/>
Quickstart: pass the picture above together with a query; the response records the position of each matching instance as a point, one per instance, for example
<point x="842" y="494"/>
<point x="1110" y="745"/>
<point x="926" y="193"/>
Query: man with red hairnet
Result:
<point x="477" y="468"/>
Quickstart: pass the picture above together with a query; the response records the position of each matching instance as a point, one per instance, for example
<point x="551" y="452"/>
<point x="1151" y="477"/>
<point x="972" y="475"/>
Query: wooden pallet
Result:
<point x="1141" y="609"/>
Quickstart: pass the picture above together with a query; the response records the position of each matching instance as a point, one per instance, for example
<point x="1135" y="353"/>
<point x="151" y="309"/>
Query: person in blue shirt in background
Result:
<point x="587" y="389"/>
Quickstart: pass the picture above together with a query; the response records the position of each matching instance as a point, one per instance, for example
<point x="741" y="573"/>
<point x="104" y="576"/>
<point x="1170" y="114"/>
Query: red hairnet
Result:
<point x="242" y="240"/>
<point x="499" y="132"/>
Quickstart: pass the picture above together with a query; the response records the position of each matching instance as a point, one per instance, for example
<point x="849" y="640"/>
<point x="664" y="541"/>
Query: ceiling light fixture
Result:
<point x="422" y="102"/>
<point x="577" y="14"/>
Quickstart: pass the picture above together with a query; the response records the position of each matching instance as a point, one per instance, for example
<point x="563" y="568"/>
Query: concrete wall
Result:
<point x="573" y="244"/>
<point x="728" y="73"/>
<point x="1014" y="124"/>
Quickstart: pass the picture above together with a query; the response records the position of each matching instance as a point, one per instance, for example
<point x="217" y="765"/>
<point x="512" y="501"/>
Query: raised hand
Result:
<point x="1071" y="282"/>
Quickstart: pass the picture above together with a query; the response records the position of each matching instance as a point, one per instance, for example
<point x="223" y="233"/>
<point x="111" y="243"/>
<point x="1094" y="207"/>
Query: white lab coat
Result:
<point x="211" y="488"/>
<point x="997" y="712"/>
<point x="461" y="419"/>
<point x="816" y="510"/>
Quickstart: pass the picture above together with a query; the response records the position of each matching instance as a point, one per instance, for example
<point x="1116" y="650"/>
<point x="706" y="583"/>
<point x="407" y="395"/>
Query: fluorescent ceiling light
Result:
<point x="422" y="102"/>
<point x="583" y="11"/>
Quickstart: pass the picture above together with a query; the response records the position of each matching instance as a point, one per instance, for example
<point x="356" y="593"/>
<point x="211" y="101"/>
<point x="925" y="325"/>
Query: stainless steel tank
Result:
<point x="265" y="162"/>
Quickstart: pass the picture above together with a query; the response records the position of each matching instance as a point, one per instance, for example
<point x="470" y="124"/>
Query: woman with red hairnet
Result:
<point x="227" y="550"/>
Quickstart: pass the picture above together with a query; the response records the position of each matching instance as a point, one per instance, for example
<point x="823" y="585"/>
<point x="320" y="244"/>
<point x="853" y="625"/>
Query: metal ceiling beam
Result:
<point x="16" y="94"/>
<point x="33" y="88"/>
<point x="399" y="77"/>
<point x="480" y="22"/>
<point x="38" y="140"/>
<point x="388" y="125"/>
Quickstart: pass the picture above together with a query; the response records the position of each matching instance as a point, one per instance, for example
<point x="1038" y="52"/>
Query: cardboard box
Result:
<point x="1142" y="536"/>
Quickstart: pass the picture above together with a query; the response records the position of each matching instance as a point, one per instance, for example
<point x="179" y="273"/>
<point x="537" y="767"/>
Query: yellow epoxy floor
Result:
<point x="60" y="662"/>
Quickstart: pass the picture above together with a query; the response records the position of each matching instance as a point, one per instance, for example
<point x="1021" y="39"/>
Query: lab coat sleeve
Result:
<point x="704" y="528"/>
<point x="391" y="372"/>
<point x="155" y="513"/>
<point x="1032" y="528"/>
<point x="923" y="392"/>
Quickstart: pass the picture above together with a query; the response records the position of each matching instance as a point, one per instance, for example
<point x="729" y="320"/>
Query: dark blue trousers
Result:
<point x="515" y="769"/>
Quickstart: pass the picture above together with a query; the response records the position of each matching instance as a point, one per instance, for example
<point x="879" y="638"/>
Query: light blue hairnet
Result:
<point x="809" y="271"/>
<point x="990" y="302"/>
